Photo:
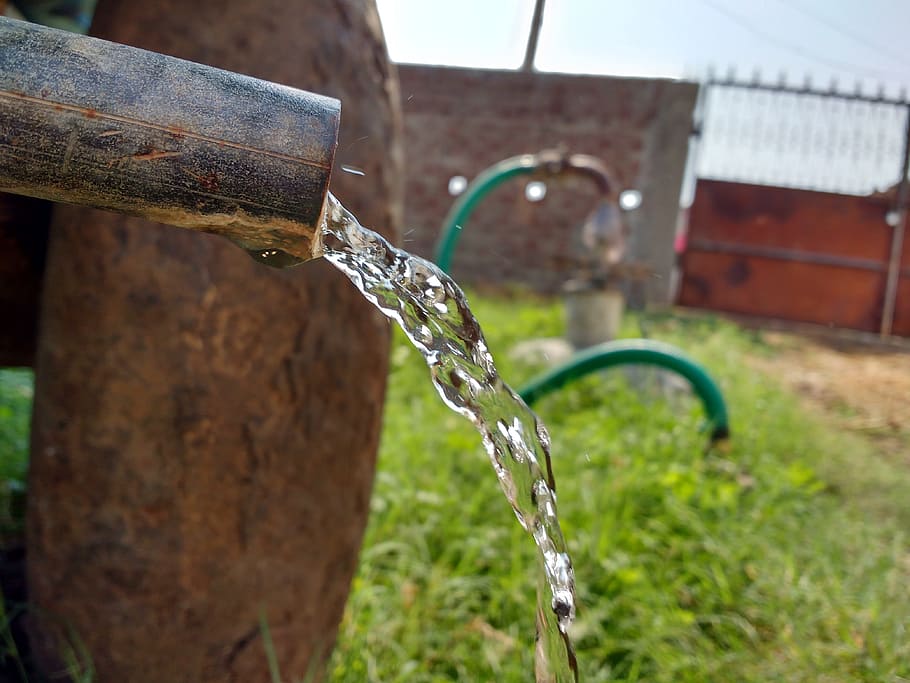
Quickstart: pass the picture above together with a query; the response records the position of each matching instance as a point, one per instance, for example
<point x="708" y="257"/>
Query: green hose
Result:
<point x="641" y="352"/>
<point x="478" y="188"/>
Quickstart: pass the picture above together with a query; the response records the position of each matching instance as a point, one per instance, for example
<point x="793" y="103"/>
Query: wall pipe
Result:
<point x="637" y="352"/>
<point x="87" y="121"/>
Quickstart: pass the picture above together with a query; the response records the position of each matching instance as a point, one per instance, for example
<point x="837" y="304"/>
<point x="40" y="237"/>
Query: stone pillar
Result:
<point x="205" y="427"/>
<point x="653" y="224"/>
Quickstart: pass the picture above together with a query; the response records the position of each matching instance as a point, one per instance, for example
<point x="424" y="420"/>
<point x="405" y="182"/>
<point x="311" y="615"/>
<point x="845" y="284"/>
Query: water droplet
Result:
<point x="562" y="608"/>
<point x="275" y="257"/>
<point x="630" y="200"/>
<point x="457" y="185"/>
<point x="535" y="191"/>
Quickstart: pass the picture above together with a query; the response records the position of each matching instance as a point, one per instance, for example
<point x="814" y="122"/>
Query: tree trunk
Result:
<point x="205" y="427"/>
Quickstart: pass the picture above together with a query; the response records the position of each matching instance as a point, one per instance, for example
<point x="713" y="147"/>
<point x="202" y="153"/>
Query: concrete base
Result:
<point x="593" y="316"/>
<point x="549" y="351"/>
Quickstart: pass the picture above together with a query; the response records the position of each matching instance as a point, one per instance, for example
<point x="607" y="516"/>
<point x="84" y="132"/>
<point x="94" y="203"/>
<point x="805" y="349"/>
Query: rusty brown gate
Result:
<point x="829" y="248"/>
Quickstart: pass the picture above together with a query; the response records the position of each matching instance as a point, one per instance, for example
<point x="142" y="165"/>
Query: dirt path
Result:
<point x="864" y="388"/>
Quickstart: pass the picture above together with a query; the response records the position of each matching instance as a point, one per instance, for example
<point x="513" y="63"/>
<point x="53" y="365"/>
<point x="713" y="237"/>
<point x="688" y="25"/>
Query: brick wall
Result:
<point x="460" y="121"/>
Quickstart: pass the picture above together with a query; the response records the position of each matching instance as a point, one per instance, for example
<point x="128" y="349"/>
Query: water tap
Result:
<point x="603" y="235"/>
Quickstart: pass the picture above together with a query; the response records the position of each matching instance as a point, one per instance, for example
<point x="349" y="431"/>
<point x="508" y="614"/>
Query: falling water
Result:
<point x="434" y="314"/>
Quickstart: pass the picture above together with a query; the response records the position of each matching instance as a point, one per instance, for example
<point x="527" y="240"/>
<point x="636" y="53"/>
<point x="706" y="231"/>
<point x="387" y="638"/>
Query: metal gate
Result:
<point x="799" y="207"/>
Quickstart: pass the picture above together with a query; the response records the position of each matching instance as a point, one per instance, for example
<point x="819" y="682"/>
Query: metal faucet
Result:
<point x="603" y="233"/>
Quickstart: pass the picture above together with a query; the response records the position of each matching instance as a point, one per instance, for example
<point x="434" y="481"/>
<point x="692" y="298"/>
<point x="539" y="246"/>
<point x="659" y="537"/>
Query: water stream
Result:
<point x="434" y="315"/>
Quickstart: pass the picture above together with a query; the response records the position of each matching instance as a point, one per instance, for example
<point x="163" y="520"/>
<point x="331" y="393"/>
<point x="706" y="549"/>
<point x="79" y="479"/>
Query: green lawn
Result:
<point x="781" y="558"/>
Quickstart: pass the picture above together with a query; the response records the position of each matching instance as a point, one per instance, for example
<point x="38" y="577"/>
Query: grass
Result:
<point x="783" y="557"/>
<point x="15" y="413"/>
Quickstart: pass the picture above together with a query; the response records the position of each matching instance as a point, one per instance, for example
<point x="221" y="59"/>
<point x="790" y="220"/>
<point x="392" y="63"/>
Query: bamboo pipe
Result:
<point x="86" y="121"/>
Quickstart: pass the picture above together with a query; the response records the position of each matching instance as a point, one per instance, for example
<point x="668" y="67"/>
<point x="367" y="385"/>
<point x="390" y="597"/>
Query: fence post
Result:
<point x="897" y="238"/>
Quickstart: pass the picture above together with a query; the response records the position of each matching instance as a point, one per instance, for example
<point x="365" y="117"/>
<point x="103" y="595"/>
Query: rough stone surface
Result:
<point x="205" y="428"/>
<point x="460" y="121"/>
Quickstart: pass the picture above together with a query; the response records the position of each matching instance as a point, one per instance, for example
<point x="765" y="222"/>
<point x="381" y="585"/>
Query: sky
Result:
<point x="850" y="40"/>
